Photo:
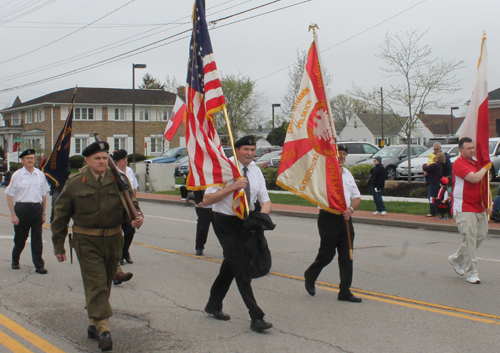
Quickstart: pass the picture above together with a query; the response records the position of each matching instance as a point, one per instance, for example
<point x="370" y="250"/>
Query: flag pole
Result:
<point x="231" y="140"/>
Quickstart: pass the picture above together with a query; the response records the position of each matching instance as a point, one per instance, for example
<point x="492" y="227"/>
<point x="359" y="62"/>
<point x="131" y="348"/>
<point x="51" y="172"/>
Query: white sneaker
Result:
<point x="376" y="212"/>
<point x="456" y="266"/>
<point x="474" y="279"/>
<point x="383" y="213"/>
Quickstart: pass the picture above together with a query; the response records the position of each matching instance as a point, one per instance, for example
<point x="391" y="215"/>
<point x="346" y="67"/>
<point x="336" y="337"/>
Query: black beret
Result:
<point x="120" y="154"/>
<point x="95" y="148"/>
<point x="248" y="140"/>
<point x="27" y="153"/>
<point x="343" y="148"/>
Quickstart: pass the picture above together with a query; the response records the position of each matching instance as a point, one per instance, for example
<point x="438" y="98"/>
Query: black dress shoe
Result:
<point x="122" y="262"/>
<point x="199" y="252"/>
<point x="41" y="270"/>
<point x="259" y="325"/>
<point x="105" y="342"/>
<point x="218" y="314"/>
<point x="129" y="260"/>
<point x="92" y="332"/>
<point x="310" y="288"/>
<point x="15" y="266"/>
<point x="351" y="299"/>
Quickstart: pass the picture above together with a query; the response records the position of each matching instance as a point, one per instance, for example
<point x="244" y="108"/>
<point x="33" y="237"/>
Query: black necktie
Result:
<point x="247" y="188"/>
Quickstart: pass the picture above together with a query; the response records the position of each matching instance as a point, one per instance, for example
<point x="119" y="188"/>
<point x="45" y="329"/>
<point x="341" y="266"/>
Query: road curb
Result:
<point x="493" y="233"/>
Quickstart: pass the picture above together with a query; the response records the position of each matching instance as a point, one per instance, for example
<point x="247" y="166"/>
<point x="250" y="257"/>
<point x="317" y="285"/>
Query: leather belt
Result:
<point x="97" y="232"/>
<point x="29" y="203"/>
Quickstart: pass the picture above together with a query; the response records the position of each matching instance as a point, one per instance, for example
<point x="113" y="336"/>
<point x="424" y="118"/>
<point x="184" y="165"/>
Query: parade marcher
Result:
<point x="28" y="189"/>
<point x="92" y="199"/>
<point x="205" y="215"/>
<point x="55" y="190"/>
<point x="334" y="237"/>
<point x="468" y="210"/>
<point x="377" y="183"/>
<point x="120" y="159"/>
<point x="232" y="235"/>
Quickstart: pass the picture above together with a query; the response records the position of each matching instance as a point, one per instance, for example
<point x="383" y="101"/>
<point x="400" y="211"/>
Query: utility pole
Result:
<point x="382" y="112"/>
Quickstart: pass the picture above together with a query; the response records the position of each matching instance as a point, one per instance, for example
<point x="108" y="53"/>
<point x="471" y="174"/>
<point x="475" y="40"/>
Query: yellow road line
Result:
<point x="12" y="344"/>
<point x="28" y="336"/>
<point x="387" y="298"/>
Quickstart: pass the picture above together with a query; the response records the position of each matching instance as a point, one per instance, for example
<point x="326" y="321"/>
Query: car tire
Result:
<point x="390" y="173"/>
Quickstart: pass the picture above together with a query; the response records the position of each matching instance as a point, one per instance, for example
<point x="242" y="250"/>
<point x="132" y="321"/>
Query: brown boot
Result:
<point x="122" y="277"/>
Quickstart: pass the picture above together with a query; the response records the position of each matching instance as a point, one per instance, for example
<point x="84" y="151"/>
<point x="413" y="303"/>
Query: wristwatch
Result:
<point x="352" y="209"/>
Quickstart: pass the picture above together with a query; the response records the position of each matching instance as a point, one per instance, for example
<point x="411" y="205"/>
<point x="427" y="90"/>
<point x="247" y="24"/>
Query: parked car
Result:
<point x="181" y="162"/>
<point x="358" y="151"/>
<point x="444" y="140"/>
<point x="170" y="156"/>
<point x="265" y="159"/>
<point x="392" y="156"/>
<point x="184" y="166"/>
<point x="417" y="162"/>
<point x="260" y="151"/>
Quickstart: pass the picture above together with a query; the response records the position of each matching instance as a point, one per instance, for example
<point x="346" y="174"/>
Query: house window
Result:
<point x="80" y="144"/>
<point x="144" y="114"/>
<point x="39" y="115"/>
<point x="29" y="117"/>
<point x="119" y="114"/>
<point x="165" y="116"/>
<point x="84" y="113"/>
<point x="119" y="143"/>
<point x="156" y="144"/>
<point x="16" y="119"/>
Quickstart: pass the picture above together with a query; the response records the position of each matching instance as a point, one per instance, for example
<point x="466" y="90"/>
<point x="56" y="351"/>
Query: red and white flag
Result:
<point x="309" y="166"/>
<point x="477" y="123"/>
<point x="176" y="119"/>
<point x="209" y="166"/>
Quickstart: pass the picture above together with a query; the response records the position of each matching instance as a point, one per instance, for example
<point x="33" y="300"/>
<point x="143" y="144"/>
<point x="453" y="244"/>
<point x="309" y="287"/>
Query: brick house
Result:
<point x="108" y="111"/>
<point x="494" y="105"/>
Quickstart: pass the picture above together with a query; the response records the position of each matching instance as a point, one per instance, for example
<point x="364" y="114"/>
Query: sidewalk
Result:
<point x="391" y="219"/>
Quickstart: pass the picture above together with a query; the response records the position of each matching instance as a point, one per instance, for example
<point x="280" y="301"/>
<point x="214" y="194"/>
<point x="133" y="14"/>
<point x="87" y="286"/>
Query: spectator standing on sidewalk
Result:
<point x="468" y="210"/>
<point x="432" y="179"/>
<point x="377" y="183"/>
<point x="447" y="165"/>
<point x="443" y="200"/>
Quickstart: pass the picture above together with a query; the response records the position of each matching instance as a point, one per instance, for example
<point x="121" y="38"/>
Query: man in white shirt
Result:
<point x="232" y="235"/>
<point x="28" y="189"/>
<point x="333" y="233"/>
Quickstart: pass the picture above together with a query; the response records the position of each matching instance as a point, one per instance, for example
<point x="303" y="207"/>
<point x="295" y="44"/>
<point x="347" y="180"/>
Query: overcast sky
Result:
<point x="84" y="33"/>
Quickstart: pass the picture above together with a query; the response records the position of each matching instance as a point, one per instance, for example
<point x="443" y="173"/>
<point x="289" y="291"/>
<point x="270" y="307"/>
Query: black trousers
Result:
<point x="232" y="236"/>
<point x="128" y="236"/>
<point x="30" y="219"/>
<point x="203" y="225"/>
<point x="333" y="233"/>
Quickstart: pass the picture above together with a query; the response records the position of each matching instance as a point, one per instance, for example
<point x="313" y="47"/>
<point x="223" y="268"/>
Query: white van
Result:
<point x="358" y="151"/>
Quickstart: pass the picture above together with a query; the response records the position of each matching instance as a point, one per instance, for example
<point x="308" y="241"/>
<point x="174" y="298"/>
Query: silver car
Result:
<point x="421" y="159"/>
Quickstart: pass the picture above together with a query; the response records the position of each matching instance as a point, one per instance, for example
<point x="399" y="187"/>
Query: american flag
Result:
<point x="209" y="165"/>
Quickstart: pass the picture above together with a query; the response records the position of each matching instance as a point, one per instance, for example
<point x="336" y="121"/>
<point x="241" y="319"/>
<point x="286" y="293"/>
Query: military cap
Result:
<point x="95" y="147"/>
<point x="248" y="140"/>
<point x="117" y="155"/>
<point x="343" y="148"/>
<point x="27" y="153"/>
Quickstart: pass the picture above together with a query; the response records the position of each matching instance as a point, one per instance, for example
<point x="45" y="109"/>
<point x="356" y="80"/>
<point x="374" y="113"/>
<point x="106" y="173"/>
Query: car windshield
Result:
<point x="492" y="146"/>
<point x="431" y="150"/>
<point x="388" y="152"/>
<point x="171" y="153"/>
<point x="268" y="156"/>
<point x="182" y="160"/>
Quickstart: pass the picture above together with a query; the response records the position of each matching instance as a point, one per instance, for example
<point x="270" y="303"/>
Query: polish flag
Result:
<point x="176" y="119"/>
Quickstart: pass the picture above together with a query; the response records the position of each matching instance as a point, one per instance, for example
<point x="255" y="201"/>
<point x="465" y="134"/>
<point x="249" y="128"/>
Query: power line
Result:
<point x="29" y="11"/>
<point x="67" y="35"/>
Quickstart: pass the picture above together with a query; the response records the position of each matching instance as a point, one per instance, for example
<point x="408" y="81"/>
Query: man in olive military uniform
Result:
<point x="98" y="210"/>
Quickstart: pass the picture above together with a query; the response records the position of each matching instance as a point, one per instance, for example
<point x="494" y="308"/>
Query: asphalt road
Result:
<point x="412" y="299"/>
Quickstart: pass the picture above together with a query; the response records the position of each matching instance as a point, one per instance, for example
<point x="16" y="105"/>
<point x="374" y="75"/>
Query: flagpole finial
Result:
<point x="313" y="26"/>
<point x="484" y="34"/>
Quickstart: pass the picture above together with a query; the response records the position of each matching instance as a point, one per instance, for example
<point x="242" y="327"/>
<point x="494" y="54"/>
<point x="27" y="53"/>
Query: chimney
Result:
<point x="364" y="111"/>
<point x="181" y="91"/>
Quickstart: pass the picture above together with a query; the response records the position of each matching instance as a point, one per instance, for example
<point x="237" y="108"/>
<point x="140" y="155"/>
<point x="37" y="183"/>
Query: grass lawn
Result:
<point x="366" y="205"/>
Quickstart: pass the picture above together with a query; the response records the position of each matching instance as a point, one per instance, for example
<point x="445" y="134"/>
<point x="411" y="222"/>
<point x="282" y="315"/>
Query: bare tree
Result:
<point x="294" y="80"/>
<point x="344" y="107"/>
<point x="171" y="84"/>
<point x="424" y="80"/>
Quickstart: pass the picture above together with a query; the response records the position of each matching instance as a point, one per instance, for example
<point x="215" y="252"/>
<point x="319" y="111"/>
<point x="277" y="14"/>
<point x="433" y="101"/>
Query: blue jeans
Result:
<point x="432" y="191"/>
<point x="377" y="198"/>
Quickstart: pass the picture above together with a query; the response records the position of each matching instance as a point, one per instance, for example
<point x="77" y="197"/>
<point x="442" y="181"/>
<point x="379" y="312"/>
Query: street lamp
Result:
<point x="452" y="117"/>
<point x="134" y="66"/>
<point x="275" y="105"/>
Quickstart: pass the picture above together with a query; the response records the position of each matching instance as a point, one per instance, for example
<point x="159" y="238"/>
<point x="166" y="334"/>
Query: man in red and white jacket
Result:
<point x="468" y="209"/>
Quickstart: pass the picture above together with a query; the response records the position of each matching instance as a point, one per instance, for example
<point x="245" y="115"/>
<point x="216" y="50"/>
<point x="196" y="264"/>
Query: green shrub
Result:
<point x="76" y="161"/>
<point x="138" y="157"/>
<point x="271" y="175"/>
<point x="361" y="172"/>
